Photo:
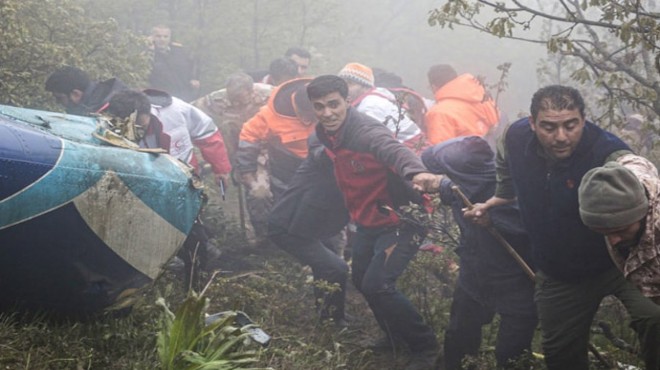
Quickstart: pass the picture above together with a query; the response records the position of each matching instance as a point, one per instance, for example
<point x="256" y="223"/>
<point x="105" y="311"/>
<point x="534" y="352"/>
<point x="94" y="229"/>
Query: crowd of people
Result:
<point x="326" y="162"/>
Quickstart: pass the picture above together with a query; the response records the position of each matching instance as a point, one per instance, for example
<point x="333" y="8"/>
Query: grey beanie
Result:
<point x="611" y="196"/>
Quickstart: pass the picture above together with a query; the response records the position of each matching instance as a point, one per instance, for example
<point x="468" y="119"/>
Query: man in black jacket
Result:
<point x="301" y="222"/>
<point x="72" y="88"/>
<point x="173" y="69"/>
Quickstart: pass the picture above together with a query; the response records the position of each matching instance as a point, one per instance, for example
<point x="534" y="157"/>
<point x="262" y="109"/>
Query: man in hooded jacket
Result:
<point x="283" y="126"/>
<point x="462" y="107"/>
<point x="489" y="281"/>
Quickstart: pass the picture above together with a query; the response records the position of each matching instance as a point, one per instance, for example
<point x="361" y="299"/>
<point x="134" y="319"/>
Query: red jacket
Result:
<point x="371" y="167"/>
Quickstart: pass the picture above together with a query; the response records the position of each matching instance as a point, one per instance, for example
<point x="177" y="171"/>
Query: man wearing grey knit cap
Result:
<point x="620" y="200"/>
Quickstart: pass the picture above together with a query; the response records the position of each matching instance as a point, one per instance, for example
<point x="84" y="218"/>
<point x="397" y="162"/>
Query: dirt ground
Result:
<point x="296" y="321"/>
<point x="242" y="256"/>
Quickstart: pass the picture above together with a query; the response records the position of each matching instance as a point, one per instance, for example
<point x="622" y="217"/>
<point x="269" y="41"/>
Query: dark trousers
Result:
<point x="326" y="265"/>
<point x="380" y="256"/>
<point x="566" y="311"/>
<point x="514" y="336"/>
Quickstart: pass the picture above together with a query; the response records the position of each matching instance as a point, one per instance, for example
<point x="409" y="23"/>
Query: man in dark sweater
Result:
<point x="541" y="161"/>
<point x="303" y="222"/>
<point x="490" y="280"/>
<point x="78" y="94"/>
<point x="373" y="172"/>
<point x="173" y="70"/>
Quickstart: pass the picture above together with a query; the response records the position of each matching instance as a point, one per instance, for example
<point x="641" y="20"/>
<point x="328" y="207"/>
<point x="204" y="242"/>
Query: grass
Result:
<point x="277" y="294"/>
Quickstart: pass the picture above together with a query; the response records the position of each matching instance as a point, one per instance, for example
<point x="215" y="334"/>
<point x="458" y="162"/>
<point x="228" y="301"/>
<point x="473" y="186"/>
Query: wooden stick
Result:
<point x="524" y="266"/>
<point x="499" y="237"/>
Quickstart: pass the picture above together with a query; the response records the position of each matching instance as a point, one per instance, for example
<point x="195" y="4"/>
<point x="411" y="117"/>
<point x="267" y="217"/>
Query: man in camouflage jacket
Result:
<point x="621" y="200"/>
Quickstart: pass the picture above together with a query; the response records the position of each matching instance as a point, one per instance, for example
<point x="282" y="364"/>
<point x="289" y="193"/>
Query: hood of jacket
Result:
<point x="469" y="163"/>
<point x="468" y="89"/>
<point x="464" y="87"/>
<point x="282" y="98"/>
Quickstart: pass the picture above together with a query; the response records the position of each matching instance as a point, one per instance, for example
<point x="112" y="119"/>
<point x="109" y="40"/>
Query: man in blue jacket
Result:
<point x="541" y="161"/>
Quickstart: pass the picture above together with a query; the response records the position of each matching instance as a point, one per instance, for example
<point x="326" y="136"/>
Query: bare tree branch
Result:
<point x="521" y="7"/>
<point x="615" y="42"/>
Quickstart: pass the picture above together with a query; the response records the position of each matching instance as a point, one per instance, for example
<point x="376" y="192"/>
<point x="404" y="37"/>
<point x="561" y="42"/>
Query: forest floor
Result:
<point x="277" y="294"/>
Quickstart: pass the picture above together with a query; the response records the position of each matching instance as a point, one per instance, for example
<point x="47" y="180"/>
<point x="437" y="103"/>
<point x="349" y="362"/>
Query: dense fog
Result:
<point x="393" y="34"/>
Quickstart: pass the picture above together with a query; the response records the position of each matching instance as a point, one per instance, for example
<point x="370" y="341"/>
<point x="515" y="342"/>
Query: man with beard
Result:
<point x="234" y="105"/>
<point x="541" y="161"/>
<point x="230" y="108"/>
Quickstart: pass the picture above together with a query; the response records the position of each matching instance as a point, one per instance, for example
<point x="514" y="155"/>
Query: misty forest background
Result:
<point x="607" y="49"/>
<point x="107" y="38"/>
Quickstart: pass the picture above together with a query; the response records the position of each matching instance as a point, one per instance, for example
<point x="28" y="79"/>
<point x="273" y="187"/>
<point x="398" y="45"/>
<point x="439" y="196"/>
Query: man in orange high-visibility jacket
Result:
<point x="282" y="126"/>
<point x="462" y="106"/>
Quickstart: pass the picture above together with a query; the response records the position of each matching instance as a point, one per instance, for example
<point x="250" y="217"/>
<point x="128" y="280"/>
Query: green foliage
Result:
<point x="223" y="36"/>
<point x="39" y="36"/>
<point x="502" y="83"/>
<point x="275" y="292"/>
<point x="430" y="278"/>
<point x="280" y="292"/>
<point x="186" y="343"/>
<point x="613" y="315"/>
<point x="34" y="342"/>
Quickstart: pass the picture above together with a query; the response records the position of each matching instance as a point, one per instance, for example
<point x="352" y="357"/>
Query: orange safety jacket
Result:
<point x="462" y="108"/>
<point x="275" y="126"/>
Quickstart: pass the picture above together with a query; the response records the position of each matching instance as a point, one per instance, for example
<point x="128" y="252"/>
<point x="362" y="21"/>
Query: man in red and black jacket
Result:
<point x="376" y="174"/>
